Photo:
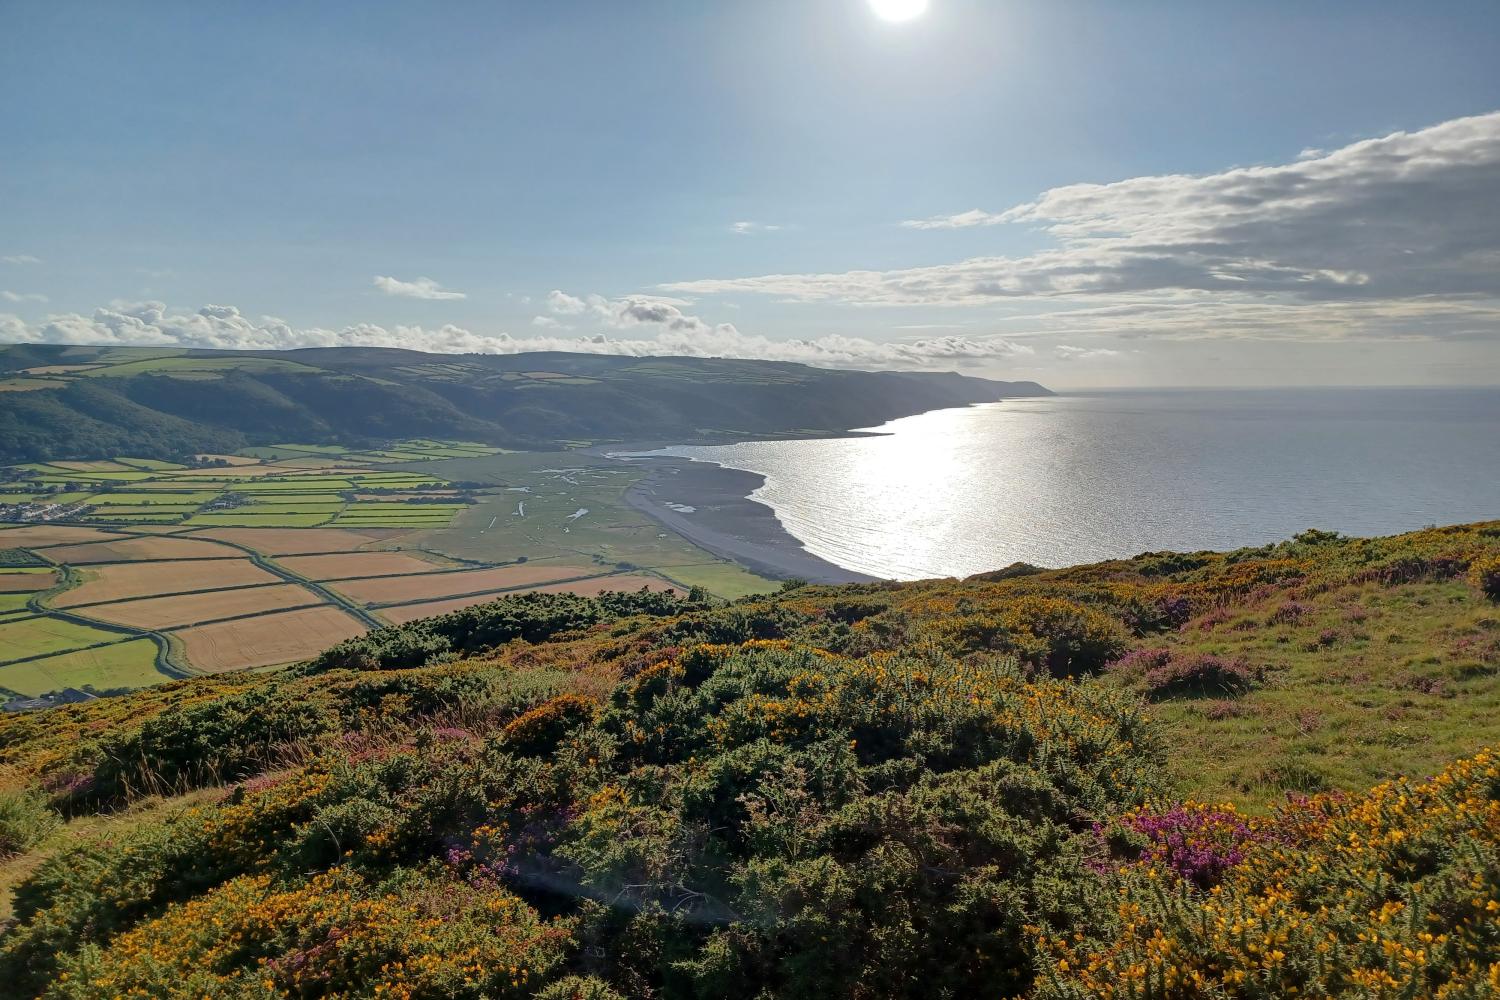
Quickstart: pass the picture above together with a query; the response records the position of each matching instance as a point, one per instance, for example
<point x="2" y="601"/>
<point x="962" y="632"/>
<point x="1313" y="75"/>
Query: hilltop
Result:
<point x="66" y="402"/>
<point x="1258" y="773"/>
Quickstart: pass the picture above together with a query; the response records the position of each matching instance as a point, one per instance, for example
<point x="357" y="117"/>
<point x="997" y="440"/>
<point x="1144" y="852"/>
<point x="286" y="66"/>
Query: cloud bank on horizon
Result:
<point x="1390" y="238"/>
<point x="150" y="324"/>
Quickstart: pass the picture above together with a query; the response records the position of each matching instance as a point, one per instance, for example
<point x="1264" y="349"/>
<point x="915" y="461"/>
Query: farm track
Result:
<point x="329" y="597"/>
<point x="165" y="662"/>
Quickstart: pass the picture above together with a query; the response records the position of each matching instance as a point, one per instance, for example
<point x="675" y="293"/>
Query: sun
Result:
<point x="898" y="10"/>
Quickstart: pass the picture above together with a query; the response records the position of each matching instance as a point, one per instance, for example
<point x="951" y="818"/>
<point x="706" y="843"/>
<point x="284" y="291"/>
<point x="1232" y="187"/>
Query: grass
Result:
<point x="1368" y="683"/>
<point x="149" y="464"/>
<point x="128" y="664"/>
<point x="13" y="602"/>
<point x="721" y="579"/>
<point x="46" y="634"/>
<point x="286" y="519"/>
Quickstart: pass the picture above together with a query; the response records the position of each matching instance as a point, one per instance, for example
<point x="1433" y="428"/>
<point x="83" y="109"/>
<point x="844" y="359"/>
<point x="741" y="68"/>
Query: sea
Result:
<point x="1085" y="476"/>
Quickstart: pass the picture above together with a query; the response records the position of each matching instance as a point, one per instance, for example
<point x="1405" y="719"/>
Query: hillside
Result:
<point x="60" y="402"/>
<point x="1149" y="777"/>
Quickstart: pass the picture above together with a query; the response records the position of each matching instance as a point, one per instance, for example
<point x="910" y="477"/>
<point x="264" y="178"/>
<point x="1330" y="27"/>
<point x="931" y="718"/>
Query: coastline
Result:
<point x="725" y="521"/>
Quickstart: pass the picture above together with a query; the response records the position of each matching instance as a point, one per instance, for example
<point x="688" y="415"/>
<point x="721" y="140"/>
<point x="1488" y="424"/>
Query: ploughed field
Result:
<point x="127" y="572"/>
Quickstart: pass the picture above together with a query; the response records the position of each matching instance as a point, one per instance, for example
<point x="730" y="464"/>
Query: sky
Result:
<point x="1082" y="193"/>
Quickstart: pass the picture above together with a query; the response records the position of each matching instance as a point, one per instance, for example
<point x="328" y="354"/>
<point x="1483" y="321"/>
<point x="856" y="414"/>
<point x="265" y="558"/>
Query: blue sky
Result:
<point x="278" y="159"/>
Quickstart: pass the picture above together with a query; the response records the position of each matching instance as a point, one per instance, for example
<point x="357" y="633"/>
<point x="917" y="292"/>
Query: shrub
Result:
<point x="1484" y="573"/>
<point x="25" y="819"/>
<point x="1389" y="894"/>
<point x="1199" y="674"/>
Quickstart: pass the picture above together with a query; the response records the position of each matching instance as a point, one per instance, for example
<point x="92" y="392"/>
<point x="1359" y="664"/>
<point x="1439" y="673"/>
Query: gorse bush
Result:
<point x="1485" y="574"/>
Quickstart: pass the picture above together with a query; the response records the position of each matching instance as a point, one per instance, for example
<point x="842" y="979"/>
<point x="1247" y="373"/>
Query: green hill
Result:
<point x="1149" y="777"/>
<point x="63" y="402"/>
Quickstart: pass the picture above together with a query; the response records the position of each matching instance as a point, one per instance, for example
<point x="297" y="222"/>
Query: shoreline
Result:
<point x="725" y="521"/>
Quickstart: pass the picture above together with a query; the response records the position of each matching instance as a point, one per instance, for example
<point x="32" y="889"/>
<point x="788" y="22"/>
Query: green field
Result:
<point x="149" y="464"/>
<point x="128" y="664"/>
<point x="12" y="602"/>
<point x="721" y="579"/>
<point x="133" y="499"/>
<point x="287" y="519"/>
<point x="35" y="636"/>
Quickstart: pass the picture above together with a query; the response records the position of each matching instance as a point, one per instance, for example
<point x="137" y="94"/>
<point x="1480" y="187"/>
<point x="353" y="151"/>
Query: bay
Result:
<point x="1095" y="475"/>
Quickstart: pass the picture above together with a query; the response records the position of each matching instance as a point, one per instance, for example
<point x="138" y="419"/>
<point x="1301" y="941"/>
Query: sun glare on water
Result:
<point x="898" y="10"/>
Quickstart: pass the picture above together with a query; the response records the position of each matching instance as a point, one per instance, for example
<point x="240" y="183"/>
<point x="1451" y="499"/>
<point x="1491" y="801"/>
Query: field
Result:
<point x="122" y="581"/>
<point x="138" y="550"/>
<point x="285" y="543"/>
<point x="349" y="565"/>
<point x="129" y="664"/>
<point x="195" y="609"/>
<point x="289" y="486"/>
<point x="224" y="562"/>
<point x="26" y="581"/>
<point x="36" y="636"/>
<point x="36" y="535"/>
<point x="405" y="589"/>
<point x="267" y="640"/>
<point x="11" y="602"/>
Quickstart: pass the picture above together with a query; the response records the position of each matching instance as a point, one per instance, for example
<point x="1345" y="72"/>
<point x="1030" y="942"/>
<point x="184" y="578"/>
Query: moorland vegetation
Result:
<point x="1261" y="773"/>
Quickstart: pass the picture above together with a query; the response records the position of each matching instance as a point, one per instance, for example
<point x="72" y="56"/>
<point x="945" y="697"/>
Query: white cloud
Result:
<point x="20" y="258"/>
<point x="564" y="304"/>
<point x="10" y="296"/>
<point x="421" y="288"/>
<point x="746" y="228"/>
<point x="963" y="220"/>
<point x="1405" y="218"/>
<point x="1067" y="352"/>
<point x="673" y="333"/>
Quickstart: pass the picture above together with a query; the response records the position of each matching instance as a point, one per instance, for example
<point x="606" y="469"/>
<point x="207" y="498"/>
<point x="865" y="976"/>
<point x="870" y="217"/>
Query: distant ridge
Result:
<point x="71" y="402"/>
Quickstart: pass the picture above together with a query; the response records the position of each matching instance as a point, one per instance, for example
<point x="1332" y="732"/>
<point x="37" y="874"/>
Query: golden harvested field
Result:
<point x="269" y="640"/>
<point x="296" y="541"/>
<point x="14" y="583"/>
<point x="232" y="459"/>
<point x="117" y="582"/>
<point x="352" y="564"/>
<point x="92" y="466"/>
<point x="140" y="549"/>
<point x="386" y="590"/>
<point x="32" y="535"/>
<point x="189" y="609"/>
<point x="586" y="588"/>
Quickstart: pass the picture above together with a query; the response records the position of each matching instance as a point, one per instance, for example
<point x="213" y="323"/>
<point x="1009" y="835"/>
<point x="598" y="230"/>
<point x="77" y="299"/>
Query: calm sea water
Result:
<point x="1099" y="475"/>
